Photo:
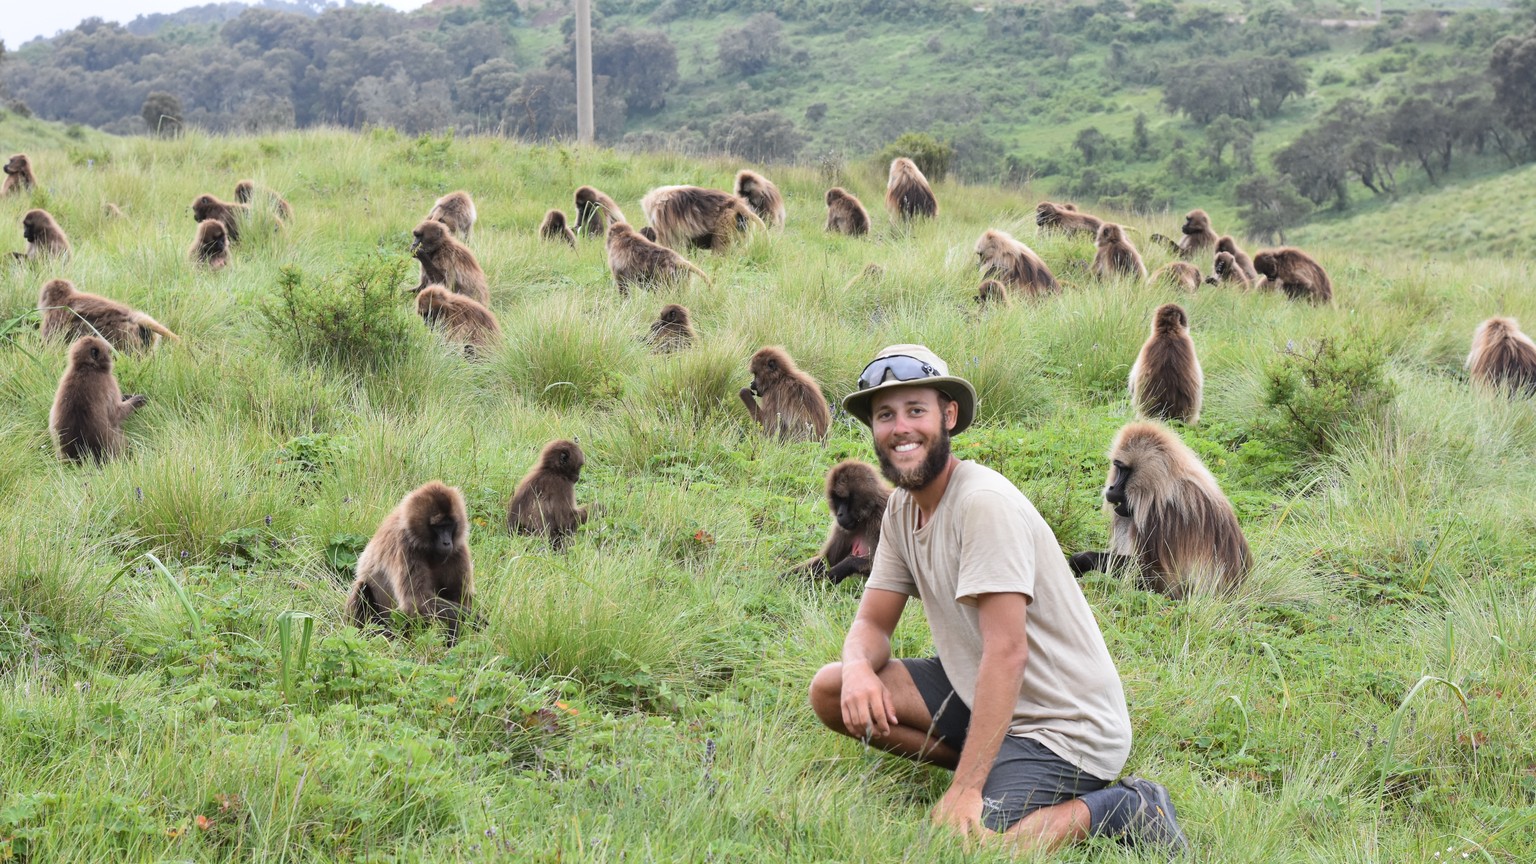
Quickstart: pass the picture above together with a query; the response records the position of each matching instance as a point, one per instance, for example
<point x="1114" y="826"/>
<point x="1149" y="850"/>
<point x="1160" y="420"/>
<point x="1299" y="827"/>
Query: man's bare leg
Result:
<point x="1048" y="828"/>
<point x="908" y="736"/>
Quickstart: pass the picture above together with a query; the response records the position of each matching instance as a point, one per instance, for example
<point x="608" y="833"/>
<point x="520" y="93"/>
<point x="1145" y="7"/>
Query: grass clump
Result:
<point x="1330" y="389"/>
<point x="354" y="318"/>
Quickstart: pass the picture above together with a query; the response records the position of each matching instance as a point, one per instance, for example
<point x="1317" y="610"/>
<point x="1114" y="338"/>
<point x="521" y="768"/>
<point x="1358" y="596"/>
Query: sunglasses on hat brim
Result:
<point x="898" y="367"/>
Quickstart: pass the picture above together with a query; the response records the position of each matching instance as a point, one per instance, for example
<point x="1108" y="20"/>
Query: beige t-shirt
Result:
<point x="985" y="538"/>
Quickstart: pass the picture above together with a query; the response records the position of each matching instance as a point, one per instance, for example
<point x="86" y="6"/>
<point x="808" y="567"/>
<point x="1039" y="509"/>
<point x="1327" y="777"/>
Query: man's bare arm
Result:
<point x="1004" y="653"/>
<point x="866" y="702"/>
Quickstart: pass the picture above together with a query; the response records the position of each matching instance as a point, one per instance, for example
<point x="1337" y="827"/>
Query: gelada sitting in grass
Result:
<point x="1022" y="702"/>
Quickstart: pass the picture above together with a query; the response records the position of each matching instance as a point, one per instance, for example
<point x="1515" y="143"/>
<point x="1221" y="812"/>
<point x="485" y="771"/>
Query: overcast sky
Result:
<point x="25" y="19"/>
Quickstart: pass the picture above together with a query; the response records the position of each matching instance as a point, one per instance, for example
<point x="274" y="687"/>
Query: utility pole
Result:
<point x="585" y="128"/>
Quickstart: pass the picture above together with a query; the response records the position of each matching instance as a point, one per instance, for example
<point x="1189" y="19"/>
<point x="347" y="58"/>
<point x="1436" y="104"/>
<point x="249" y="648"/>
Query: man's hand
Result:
<point x="960" y="809"/>
<point x="867" y="704"/>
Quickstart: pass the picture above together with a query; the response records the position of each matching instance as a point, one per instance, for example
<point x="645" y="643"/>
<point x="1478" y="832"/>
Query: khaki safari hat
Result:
<point x="908" y="365"/>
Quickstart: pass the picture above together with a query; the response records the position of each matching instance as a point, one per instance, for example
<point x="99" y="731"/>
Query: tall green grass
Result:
<point x="641" y="696"/>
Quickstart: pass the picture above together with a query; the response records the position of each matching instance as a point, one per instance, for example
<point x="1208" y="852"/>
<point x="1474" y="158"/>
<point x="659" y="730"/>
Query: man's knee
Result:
<point x="827" y="695"/>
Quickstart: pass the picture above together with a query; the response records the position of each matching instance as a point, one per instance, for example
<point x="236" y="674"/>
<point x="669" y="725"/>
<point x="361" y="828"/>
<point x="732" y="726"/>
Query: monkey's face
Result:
<point x="564" y="460"/>
<point x="442" y="535"/>
<point x="843" y="511"/>
<point x="31" y="228"/>
<point x="1265" y="265"/>
<point x="1195" y="223"/>
<point x="765" y="371"/>
<point x="16" y="165"/>
<point x="91" y="352"/>
<point x="985" y="246"/>
<point x="1223" y="264"/>
<point x="427" y="236"/>
<point x="1115" y="492"/>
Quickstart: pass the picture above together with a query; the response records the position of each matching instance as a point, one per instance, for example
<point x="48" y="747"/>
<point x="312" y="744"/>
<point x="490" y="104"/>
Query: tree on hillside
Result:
<point x="162" y="114"/>
<point x="484" y="93"/>
<point x="1268" y="207"/>
<point x="1237" y="86"/>
<point x="1091" y="143"/>
<point x="751" y="48"/>
<point x="544" y="106"/>
<point x="641" y="63"/>
<point x="1513" y="68"/>
<point x="767" y="136"/>
<point x="1314" y="163"/>
<point x="1426" y="130"/>
<point x="1227" y="132"/>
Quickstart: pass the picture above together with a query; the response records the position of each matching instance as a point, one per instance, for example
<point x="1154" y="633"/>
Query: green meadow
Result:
<point x="177" y="682"/>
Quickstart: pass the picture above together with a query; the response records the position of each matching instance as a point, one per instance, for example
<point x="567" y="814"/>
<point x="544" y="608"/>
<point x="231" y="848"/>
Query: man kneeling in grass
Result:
<point x="1023" y="702"/>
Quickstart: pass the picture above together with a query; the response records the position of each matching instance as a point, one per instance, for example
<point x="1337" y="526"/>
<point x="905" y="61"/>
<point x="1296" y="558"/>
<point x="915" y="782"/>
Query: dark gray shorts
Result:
<point x="1026" y="775"/>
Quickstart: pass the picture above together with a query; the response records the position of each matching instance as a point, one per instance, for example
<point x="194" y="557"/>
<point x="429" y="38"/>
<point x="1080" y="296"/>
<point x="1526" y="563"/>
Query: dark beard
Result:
<point x="923" y="474"/>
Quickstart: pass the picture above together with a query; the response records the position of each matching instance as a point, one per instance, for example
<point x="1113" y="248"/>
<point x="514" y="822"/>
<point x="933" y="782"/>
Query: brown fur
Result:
<point x="45" y="239"/>
<point x="1166" y="380"/>
<point x="111" y="211"/>
<point x="992" y="293"/>
<point x="762" y="196"/>
<point x="1181" y="534"/>
<point x="88" y="408"/>
<point x="672" y="330"/>
<point x="595" y="211"/>
<point x="792" y="407"/>
<point x="1226" y="243"/>
<point x="856" y="496"/>
<point x="211" y="245"/>
<point x="1226" y="269"/>
<point x="417" y="563"/>
<point x="1178" y="274"/>
<point x="1296" y="273"/>
<point x="545" y="500"/>
<point x="648" y="233"/>
<point x="70" y="314"/>
<point x="245" y="190"/>
<point x="1050" y="216"/>
<point x="457" y="211"/>
<point x="458" y="317"/>
<point x="447" y="262"/>
<point x="685" y="216"/>
<point x="637" y="261"/>
<point x="845" y="215"/>
<point x="209" y="207"/>
<point x="1503" y="357"/>
<point x="1116" y="255"/>
<point x="555" y="228"/>
<point x="872" y="274"/>
<point x="18" y="175"/>
<point x="907" y="193"/>
<point x="1014" y="264"/>
<point x="1196" y="238"/>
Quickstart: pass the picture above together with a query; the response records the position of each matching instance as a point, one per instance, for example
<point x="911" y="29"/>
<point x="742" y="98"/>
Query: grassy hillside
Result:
<point x="641" y="696"/>
<point x="1477" y="217"/>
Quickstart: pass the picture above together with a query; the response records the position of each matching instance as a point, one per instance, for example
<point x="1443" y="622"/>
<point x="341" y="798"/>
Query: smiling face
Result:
<point x="911" y="431"/>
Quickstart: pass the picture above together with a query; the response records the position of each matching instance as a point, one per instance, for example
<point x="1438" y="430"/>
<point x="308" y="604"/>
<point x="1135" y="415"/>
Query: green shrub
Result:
<point x="355" y="318"/>
<point x="1330" y="389"/>
<point x="932" y="156"/>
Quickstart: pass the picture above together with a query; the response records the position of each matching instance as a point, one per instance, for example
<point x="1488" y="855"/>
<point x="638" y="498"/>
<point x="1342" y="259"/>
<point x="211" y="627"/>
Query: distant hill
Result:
<point x="218" y="13"/>
<point x="1480" y="217"/>
<point x="1272" y="118"/>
